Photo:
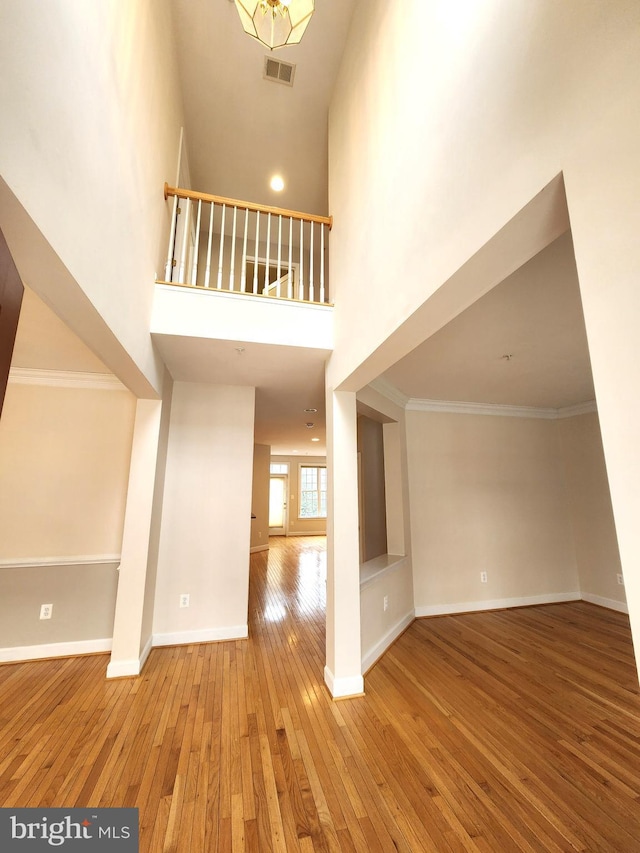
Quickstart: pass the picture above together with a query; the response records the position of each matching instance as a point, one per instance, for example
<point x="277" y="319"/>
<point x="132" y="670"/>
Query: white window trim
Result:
<point x="302" y="465"/>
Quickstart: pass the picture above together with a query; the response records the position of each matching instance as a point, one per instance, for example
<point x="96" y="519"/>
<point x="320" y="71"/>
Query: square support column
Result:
<point x="127" y="657"/>
<point x="343" y="671"/>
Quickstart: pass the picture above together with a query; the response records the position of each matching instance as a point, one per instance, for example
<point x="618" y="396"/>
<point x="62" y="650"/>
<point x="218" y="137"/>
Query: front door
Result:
<point x="278" y="505"/>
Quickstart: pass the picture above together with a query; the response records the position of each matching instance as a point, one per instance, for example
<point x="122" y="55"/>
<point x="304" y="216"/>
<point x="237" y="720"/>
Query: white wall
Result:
<point x="380" y="627"/>
<point x="594" y="530"/>
<point x="64" y="458"/>
<point x="206" y="517"/>
<point x="90" y="92"/>
<point x="260" y="497"/>
<point x="488" y="494"/>
<point x="448" y="120"/>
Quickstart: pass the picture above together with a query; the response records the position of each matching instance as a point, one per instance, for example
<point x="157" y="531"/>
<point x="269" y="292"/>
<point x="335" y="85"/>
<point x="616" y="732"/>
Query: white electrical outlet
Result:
<point x="46" y="611"/>
<point x="184" y="599"/>
<point x="620" y="579"/>
<point x="483" y="577"/>
<point x="385" y="602"/>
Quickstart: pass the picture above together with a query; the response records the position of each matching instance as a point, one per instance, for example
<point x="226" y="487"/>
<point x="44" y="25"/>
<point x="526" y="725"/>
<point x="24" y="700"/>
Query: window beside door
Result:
<point x="313" y="491"/>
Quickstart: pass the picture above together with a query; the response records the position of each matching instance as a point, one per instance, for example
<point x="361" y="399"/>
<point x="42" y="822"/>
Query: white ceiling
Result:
<point x="287" y="379"/>
<point x="535" y="318"/>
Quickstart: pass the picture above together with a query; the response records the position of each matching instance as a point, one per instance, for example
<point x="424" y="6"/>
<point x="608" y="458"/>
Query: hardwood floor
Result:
<point x="493" y="732"/>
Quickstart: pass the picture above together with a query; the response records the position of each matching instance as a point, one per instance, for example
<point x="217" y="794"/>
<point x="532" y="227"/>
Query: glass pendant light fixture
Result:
<point x="275" y="23"/>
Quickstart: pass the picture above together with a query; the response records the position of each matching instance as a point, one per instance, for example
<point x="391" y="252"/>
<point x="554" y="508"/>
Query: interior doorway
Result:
<point x="278" y="487"/>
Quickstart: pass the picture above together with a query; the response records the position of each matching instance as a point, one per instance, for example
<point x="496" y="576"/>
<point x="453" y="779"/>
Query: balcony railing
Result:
<point x="235" y="246"/>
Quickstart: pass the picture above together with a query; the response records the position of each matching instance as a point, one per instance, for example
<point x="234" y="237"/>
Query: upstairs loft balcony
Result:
<point x="225" y="244"/>
<point x="240" y="271"/>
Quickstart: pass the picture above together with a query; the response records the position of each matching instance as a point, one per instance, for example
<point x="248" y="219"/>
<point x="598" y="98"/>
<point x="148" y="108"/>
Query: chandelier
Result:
<point x="275" y="23"/>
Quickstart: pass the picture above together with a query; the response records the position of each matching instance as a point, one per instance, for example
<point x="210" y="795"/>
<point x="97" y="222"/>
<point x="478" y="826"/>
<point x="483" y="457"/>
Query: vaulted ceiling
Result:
<point x="240" y="129"/>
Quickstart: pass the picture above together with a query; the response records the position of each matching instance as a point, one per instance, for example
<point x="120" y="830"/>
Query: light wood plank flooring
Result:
<point x="494" y="732"/>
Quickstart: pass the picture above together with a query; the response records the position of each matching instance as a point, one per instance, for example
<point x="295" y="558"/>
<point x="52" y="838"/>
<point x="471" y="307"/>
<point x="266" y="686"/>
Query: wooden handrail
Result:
<point x="246" y="205"/>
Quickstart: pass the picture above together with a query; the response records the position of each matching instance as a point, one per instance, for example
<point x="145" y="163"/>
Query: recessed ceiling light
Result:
<point x="311" y="411"/>
<point x="277" y="184"/>
<point x="309" y="425"/>
<point x="315" y="439"/>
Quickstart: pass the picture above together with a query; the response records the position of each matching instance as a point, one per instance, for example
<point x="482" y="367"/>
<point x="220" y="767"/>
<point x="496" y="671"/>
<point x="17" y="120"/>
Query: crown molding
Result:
<point x="579" y="409"/>
<point x="496" y="409"/>
<point x="65" y="379"/>
<point x="389" y="390"/>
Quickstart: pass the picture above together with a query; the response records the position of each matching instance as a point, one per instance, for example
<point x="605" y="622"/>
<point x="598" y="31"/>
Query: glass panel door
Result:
<point x="277" y="504"/>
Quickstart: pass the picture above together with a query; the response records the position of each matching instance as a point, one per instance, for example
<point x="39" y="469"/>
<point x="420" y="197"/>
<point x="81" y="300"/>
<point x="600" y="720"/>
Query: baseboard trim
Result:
<point x="132" y="667"/>
<point x="306" y="532"/>
<point x="16" y="654"/>
<point x="145" y="651"/>
<point x="124" y="668"/>
<point x="495" y="604"/>
<point x="375" y="652"/>
<point x="257" y="548"/>
<point x="204" y="635"/>
<point x="342" y="688"/>
<point x="609" y="603"/>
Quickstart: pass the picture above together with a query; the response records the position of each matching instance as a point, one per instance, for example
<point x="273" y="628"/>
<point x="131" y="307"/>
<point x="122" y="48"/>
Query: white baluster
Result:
<point x="207" y="271"/>
<point x="255" y="253"/>
<point x="322" y="263"/>
<point x="196" y="248"/>
<point x="290" y="282"/>
<point x="168" y="269"/>
<point x="243" y="274"/>
<point x="232" y="270"/>
<point x="301" y="285"/>
<point x="221" y="253"/>
<point x="279" y="253"/>
<point x="266" y="271"/>
<point x="311" y="289"/>
<point x="185" y="244"/>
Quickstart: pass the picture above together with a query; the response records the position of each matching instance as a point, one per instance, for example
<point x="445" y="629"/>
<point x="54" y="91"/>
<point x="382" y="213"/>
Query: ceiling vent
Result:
<point x="278" y="71"/>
